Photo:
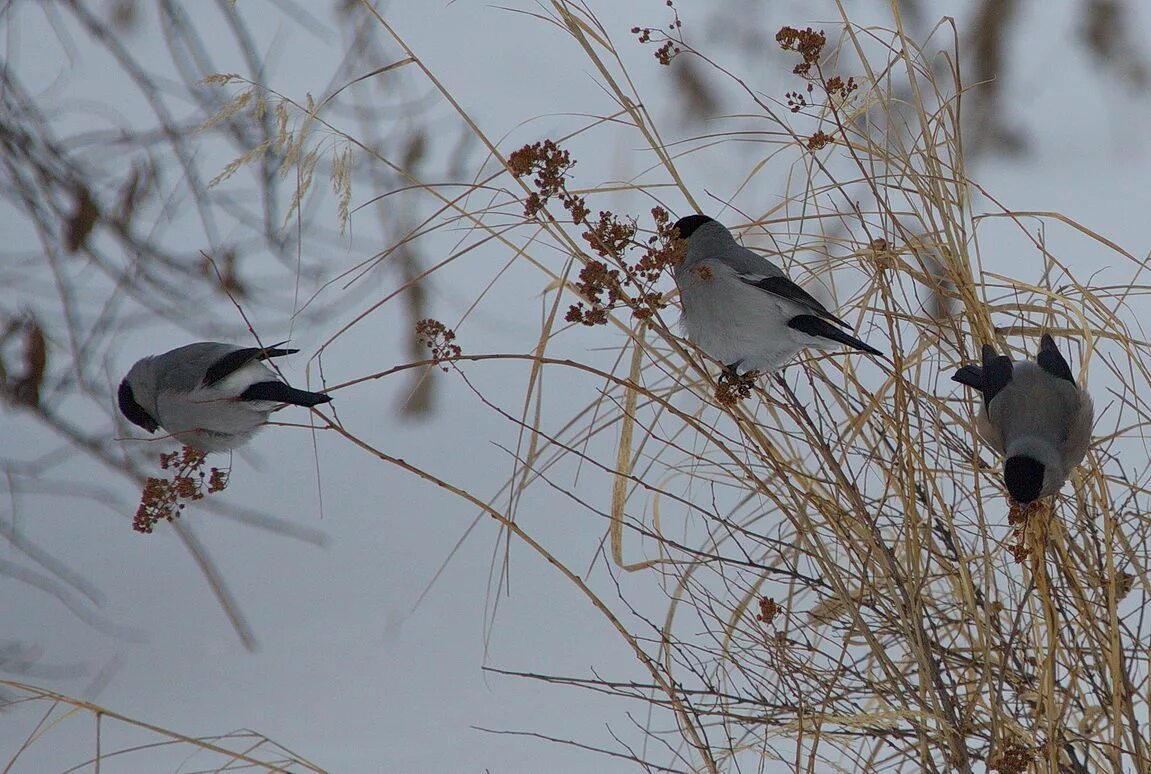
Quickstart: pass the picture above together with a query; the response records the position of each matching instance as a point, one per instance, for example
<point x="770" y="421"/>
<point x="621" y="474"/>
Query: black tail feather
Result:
<point x="282" y="393"/>
<point x="816" y="326"/>
<point x="970" y="375"/>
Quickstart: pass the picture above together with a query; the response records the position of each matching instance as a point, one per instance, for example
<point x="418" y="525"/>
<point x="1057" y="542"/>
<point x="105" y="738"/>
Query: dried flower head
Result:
<point x="807" y="43"/>
<point x="1013" y="759"/>
<point x="796" y="101"/>
<point x="439" y="338"/>
<point x="819" y="140"/>
<point x="1020" y="517"/>
<point x="838" y="88"/>
<point x="550" y="164"/>
<point x="161" y="498"/>
<point x="733" y="387"/>
<point x="768" y="610"/>
<point x="670" y="47"/>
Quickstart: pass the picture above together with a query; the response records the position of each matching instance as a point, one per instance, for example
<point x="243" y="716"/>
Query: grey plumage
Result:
<point x="210" y="396"/>
<point x="1035" y="415"/>
<point x="742" y="310"/>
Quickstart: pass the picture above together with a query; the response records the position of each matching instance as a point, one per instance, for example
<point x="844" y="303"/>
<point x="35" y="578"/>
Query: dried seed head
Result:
<point x="437" y="337"/>
<point x="161" y="498"/>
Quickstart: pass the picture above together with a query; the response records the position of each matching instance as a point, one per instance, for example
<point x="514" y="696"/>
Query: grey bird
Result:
<point x="742" y="310"/>
<point x="1035" y="415"/>
<point x="210" y="396"/>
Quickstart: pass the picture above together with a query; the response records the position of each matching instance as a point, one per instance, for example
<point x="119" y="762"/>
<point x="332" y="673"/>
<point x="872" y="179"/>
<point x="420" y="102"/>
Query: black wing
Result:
<point x="970" y="375"/>
<point x="1051" y="361"/>
<point x="785" y="288"/>
<point x="133" y="411"/>
<point x="997" y="372"/>
<point x="814" y="326"/>
<point x="282" y="393"/>
<point x="237" y="359"/>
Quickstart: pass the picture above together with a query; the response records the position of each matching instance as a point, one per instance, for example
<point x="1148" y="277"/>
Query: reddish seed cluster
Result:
<point x="609" y="237"/>
<point x="665" y="53"/>
<point x="663" y="252"/>
<point x="551" y="165"/>
<point x="1014" y="759"/>
<point x="1018" y="518"/>
<point x="819" y="140"/>
<point x="161" y="498"/>
<point x="609" y="280"/>
<point x="731" y="387"/>
<point x="807" y="43"/>
<point x="837" y="87"/>
<point x="438" y="337"/>
<point x="796" y="101"/>
<point x="595" y="281"/>
<point x="768" y="610"/>
<point x="603" y="287"/>
<point x="670" y="48"/>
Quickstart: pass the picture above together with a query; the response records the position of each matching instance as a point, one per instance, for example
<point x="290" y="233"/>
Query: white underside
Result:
<point x="213" y="418"/>
<point x="734" y="322"/>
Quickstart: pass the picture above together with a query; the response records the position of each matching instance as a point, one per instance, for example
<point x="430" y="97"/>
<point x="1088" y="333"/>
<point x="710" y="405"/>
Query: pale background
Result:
<point x="347" y="673"/>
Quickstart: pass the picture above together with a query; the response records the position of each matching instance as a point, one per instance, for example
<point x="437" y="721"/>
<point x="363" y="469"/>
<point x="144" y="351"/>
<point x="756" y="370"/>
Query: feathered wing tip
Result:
<point x="275" y="350"/>
<point x="820" y="328"/>
<point x="997" y="372"/>
<point x="1052" y="361"/>
<point x="970" y="376"/>
<point x="282" y="393"/>
<point x="237" y="359"/>
<point x="783" y="287"/>
<point x="133" y="411"/>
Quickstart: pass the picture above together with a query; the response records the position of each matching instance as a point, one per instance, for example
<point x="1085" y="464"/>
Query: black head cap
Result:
<point x="687" y="226"/>
<point x="1024" y="478"/>
<point x="133" y="410"/>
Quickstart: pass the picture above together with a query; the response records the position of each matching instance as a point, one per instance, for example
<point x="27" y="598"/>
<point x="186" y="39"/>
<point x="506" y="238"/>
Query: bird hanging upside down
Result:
<point x="1035" y="415"/>
<point x="210" y="396"/>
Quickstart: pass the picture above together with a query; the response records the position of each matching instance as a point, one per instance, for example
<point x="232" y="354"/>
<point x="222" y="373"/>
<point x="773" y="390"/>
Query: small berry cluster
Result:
<point x="669" y="49"/>
<point x="809" y="44"/>
<point x="768" y="610"/>
<point x="1014" y="759"/>
<point x="733" y="387"/>
<point x="609" y="280"/>
<point x="551" y="165"/>
<point x="438" y="337"/>
<point x="160" y="500"/>
<point x="1018" y="518"/>
<point x="819" y="140"/>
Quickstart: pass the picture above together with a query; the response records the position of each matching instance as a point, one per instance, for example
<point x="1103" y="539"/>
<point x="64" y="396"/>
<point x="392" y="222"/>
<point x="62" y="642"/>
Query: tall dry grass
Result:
<point x="844" y="584"/>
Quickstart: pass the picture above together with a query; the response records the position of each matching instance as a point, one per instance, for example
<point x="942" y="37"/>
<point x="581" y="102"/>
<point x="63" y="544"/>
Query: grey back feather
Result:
<point x="1039" y="412"/>
<point x="713" y="241"/>
<point x="1035" y="404"/>
<point x="183" y="369"/>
